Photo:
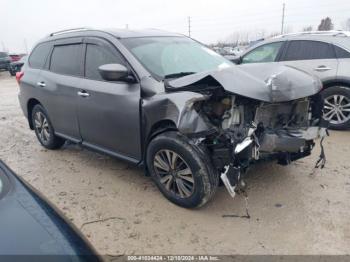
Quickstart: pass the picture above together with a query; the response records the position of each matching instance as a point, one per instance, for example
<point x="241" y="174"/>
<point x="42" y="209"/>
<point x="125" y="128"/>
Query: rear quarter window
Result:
<point x="341" y="53"/>
<point x="39" y="55"/>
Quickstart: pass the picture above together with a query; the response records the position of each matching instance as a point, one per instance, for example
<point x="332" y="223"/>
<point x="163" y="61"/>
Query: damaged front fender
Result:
<point x="177" y="108"/>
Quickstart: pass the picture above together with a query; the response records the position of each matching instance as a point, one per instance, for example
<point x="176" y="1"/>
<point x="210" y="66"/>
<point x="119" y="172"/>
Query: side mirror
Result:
<point x="113" y="72"/>
<point x="236" y="60"/>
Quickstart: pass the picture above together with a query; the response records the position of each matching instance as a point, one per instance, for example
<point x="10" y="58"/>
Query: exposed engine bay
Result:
<point x="242" y="117"/>
<point x="245" y="130"/>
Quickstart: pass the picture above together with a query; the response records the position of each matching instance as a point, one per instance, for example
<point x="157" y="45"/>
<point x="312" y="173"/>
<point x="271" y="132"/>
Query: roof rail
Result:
<point x="70" y="31"/>
<point x="327" y="33"/>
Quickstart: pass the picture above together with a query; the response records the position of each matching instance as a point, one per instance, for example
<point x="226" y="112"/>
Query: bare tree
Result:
<point x="326" y="24"/>
<point x="307" y="28"/>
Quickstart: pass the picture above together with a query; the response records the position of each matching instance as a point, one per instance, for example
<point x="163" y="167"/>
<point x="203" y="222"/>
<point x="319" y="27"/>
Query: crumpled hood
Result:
<point x="268" y="82"/>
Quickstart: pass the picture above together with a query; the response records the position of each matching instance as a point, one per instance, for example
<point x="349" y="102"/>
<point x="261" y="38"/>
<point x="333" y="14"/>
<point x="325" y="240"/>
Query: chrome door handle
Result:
<point x="83" y="94"/>
<point x="322" y="68"/>
<point x="41" y="84"/>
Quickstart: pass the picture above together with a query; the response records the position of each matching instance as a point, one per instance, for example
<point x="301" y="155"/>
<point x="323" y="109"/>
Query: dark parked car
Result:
<point x="32" y="229"/>
<point x="168" y="103"/>
<point x="16" y="66"/>
<point x="323" y="54"/>
<point x="5" y="61"/>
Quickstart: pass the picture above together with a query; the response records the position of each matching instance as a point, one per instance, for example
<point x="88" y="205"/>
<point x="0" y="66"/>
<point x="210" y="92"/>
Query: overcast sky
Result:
<point x="23" y="21"/>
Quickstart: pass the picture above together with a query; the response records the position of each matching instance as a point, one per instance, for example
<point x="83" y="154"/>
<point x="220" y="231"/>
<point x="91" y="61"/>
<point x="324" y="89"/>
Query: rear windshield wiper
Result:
<point x="175" y="75"/>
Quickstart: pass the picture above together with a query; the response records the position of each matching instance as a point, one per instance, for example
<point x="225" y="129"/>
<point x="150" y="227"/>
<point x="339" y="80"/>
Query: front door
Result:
<point x="108" y="112"/>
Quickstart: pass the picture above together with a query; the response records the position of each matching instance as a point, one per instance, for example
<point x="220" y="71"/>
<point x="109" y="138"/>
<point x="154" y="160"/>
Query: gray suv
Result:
<point x="324" y="54"/>
<point x="168" y="103"/>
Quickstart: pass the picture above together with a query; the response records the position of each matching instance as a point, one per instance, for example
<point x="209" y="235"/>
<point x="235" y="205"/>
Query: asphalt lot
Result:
<point x="293" y="209"/>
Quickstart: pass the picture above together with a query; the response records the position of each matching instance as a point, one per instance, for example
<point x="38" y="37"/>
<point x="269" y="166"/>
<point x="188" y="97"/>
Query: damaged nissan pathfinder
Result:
<point x="166" y="102"/>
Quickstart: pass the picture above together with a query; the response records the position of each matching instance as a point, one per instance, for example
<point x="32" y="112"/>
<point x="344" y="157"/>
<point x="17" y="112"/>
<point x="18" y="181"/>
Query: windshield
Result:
<point x="172" y="56"/>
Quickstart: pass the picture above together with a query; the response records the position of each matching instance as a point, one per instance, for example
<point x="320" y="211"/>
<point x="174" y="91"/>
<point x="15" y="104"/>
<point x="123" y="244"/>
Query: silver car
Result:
<point x="324" y="54"/>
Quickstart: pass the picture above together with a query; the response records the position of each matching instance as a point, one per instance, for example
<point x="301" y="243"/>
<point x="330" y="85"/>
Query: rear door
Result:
<point x="315" y="57"/>
<point x="109" y="112"/>
<point x="59" y="85"/>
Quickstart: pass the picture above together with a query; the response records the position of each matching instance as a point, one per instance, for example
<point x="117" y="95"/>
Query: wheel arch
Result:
<point x="156" y="129"/>
<point x="336" y="82"/>
<point x="30" y="105"/>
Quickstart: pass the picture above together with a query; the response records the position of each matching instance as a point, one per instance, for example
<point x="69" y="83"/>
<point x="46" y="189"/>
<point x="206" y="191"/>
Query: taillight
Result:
<point x="19" y="75"/>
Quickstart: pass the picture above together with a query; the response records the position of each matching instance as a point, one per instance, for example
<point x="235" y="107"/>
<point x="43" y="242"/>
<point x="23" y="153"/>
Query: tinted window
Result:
<point x="66" y="59"/>
<point x="341" y="53"/>
<point x="263" y="54"/>
<point x="38" y="56"/>
<point x="308" y="50"/>
<point x="97" y="56"/>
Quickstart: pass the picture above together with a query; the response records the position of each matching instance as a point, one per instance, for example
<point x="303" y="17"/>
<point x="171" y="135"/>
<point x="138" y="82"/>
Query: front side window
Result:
<point x="166" y="56"/>
<point x="96" y="56"/>
<point x="263" y="54"/>
<point x="67" y="60"/>
<point x="38" y="57"/>
<point x="308" y="50"/>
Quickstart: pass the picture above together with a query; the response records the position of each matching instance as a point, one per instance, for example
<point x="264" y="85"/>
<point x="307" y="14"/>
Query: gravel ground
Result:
<point x="293" y="209"/>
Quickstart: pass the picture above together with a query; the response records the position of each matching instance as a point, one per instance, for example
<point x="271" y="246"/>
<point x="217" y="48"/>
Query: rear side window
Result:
<point x="38" y="56"/>
<point x="96" y="56"/>
<point x="67" y="60"/>
<point x="341" y="53"/>
<point x="308" y="50"/>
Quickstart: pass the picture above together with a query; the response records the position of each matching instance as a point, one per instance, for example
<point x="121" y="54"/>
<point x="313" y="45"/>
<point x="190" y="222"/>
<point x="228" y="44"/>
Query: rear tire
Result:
<point x="12" y="73"/>
<point x="44" y="130"/>
<point x="337" y="107"/>
<point x="181" y="170"/>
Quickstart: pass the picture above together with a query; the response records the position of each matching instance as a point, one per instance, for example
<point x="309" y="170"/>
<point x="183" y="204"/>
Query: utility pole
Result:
<point x="25" y="45"/>
<point x="282" y="27"/>
<point x="126" y="26"/>
<point x="189" y="26"/>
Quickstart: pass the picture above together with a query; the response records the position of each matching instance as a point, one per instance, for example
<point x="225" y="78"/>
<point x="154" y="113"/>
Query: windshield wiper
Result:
<point x="175" y="75"/>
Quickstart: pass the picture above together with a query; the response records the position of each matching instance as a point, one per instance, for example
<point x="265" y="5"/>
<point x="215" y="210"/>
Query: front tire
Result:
<point x="44" y="130"/>
<point x="337" y="107"/>
<point x="181" y="170"/>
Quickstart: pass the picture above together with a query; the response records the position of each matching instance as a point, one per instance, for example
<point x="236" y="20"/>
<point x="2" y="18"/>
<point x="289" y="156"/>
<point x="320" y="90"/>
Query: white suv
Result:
<point x="324" y="54"/>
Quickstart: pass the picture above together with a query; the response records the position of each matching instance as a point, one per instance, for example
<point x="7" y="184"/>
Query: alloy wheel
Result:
<point x="174" y="173"/>
<point x="42" y="126"/>
<point x="337" y="109"/>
